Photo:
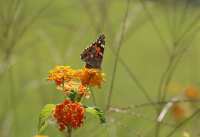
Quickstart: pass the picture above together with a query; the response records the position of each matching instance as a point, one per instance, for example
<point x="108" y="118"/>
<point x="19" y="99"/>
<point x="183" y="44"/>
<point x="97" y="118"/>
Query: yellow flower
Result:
<point x="60" y="74"/>
<point x="41" y="136"/>
<point x="91" y="77"/>
<point x="175" y="88"/>
<point x="192" y="92"/>
<point x="186" y="134"/>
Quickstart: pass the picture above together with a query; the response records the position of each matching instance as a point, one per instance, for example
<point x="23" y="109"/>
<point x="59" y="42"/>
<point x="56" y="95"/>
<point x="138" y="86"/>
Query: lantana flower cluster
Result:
<point x="74" y="84"/>
<point x="68" y="79"/>
<point x="69" y="113"/>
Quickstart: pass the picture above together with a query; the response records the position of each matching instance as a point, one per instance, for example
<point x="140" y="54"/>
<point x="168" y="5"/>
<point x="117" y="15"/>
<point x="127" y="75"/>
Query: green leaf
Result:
<point x="72" y="95"/>
<point x="44" y="116"/>
<point x="97" y="112"/>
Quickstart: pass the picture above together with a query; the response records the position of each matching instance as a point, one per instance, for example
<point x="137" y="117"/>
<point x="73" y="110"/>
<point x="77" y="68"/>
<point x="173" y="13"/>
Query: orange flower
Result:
<point x="70" y="114"/>
<point x="74" y="86"/>
<point x="192" y="92"/>
<point x="83" y="91"/>
<point x="66" y="88"/>
<point x="178" y="111"/>
<point x="60" y="74"/>
<point x="91" y="77"/>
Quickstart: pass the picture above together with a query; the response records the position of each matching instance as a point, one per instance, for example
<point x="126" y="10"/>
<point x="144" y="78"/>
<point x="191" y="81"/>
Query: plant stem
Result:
<point x="155" y="26"/>
<point x="183" y="123"/>
<point x="69" y="132"/>
<point x="93" y="98"/>
<point x="117" y="55"/>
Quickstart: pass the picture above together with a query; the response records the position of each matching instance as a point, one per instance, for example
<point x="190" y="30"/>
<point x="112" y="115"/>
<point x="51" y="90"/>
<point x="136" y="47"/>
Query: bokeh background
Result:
<point x="146" y="41"/>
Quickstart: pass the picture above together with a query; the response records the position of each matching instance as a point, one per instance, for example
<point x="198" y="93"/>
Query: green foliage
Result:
<point x="44" y="117"/>
<point x="72" y="95"/>
<point x="97" y="112"/>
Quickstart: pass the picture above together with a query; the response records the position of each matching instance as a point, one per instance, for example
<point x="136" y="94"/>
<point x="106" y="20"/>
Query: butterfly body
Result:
<point x="93" y="55"/>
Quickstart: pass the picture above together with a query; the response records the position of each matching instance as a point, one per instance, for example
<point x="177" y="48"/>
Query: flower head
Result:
<point x="186" y="134"/>
<point x="91" y="77"/>
<point x="60" y="74"/>
<point x="74" y="86"/>
<point x="181" y="110"/>
<point x="76" y="82"/>
<point x="69" y="113"/>
<point x="40" y="136"/>
<point x="83" y="91"/>
<point x="192" y="92"/>
<point x="175" y="88"/>
<point x="178" y="111"/>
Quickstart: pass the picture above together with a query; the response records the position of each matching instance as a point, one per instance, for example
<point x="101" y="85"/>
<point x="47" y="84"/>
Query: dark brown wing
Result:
<point x="93" y="55"/>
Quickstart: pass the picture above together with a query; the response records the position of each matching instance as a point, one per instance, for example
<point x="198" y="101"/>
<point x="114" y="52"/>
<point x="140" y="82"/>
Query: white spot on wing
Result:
<point x="102" y="45"/>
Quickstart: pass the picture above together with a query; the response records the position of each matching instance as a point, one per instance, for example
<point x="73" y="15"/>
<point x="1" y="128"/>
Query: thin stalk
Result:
<point x="91" y="15"/>
<point x="164" y="102"/>
<point x="167" y="75"/>
<point x="179" y="55"/>
<point x="188" y="28"/>
<point x="93" y="97"/>
<point x="135" y="80"/>
<point x="13" y="100"/>
<point x="164" y="75"/>
<point x="184" y="13"/>
<point x="69" y="132"/>
<point x="129" y="111"/>
<point x="166" y="78"/>
<point x="155" y="26"/>
<point x="174" y="19"/>
<point x="166" y="7"/>
<point x="35" y="18"/>
<point x="132" y="75"/>
<point x="15" y="38"/>
<point x="171" y="71"/>
<point x="183" y="123"/>
<point x="117" y="55"/>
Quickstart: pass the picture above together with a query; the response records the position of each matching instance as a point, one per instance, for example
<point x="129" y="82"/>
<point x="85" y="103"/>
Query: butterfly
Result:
<point x="93" y="55"/>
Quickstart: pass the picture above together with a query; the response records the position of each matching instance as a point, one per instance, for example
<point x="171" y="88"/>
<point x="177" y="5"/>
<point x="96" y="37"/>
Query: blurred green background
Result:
<point x="37" y="35"/>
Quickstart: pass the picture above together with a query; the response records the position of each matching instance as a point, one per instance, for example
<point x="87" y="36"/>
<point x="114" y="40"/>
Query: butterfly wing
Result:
<point x="93" y="55"/>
